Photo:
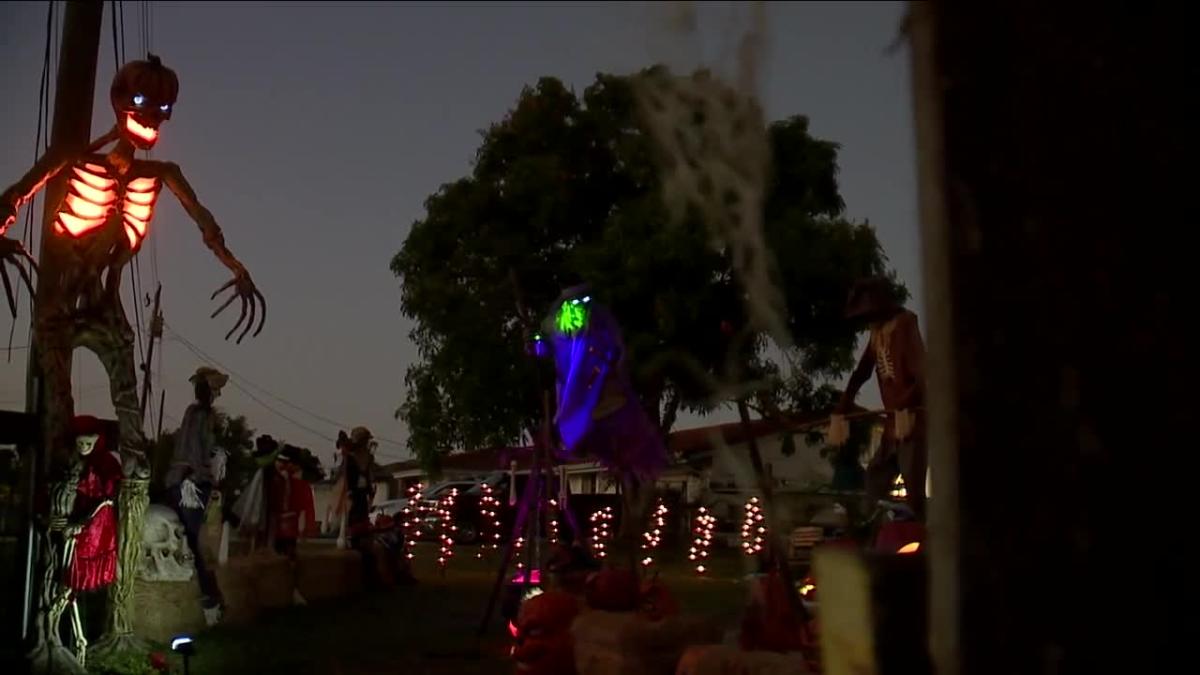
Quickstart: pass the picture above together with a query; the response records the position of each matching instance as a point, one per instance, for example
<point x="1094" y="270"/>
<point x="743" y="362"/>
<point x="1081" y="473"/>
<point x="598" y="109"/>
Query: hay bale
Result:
<point x="329" y="574"/>
<point x="166" y="609"/>
<point x="626" y="643"/>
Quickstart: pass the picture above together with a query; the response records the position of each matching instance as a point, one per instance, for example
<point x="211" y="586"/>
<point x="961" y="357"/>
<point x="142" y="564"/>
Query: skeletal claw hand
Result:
<point x="252" y="302"/>
<point x="13" y="253"/>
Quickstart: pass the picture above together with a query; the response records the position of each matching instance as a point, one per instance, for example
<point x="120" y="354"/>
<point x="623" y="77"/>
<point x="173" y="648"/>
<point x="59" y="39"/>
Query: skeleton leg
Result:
<point x="112" y="342"/>
<point x="77" y="628"/>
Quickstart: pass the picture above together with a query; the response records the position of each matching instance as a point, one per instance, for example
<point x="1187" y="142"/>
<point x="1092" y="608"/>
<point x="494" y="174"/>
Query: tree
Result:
<point x="565" y="189"/>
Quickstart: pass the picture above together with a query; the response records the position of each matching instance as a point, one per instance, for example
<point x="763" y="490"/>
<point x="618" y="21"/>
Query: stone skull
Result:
<point x="165" y="552"/>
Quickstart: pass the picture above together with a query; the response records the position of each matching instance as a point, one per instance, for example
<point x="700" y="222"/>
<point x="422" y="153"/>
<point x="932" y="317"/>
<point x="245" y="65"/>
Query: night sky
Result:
<point x="315" y="131"/>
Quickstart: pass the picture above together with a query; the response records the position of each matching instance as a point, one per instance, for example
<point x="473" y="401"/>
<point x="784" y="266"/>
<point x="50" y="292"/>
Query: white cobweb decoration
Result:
<point x="714" y="156"/>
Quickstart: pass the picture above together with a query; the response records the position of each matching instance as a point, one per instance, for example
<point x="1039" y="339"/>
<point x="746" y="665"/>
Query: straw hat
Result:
<point x="215" y="378"/>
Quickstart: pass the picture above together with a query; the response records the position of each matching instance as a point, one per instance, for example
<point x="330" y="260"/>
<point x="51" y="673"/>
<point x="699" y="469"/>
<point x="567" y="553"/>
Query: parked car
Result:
<point x="393" y="507"/>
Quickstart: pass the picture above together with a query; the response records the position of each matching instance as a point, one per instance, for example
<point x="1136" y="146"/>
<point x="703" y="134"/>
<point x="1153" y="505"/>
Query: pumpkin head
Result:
<point x="143" y="95"/>
<point x="657" y="603"/>
<point x="614" y="590"/>
<point x="544" y="645"/>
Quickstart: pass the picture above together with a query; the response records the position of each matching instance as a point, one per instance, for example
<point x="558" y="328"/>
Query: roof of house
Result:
<point x="683" y="444"/>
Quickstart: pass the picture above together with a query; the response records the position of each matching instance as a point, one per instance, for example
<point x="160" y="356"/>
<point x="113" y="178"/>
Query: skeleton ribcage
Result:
<point x="93" y="194"/>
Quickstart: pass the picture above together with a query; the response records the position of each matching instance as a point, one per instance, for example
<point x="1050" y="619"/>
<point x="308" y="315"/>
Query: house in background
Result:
<point x="710" y="467"/>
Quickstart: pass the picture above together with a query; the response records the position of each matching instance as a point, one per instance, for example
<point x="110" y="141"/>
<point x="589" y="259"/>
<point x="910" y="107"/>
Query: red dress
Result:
<point x="94" y="564"/>
<point x="292" y="500"/>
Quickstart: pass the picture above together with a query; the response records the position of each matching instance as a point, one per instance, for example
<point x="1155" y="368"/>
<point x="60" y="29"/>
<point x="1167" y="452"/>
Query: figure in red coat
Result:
<point x="94" y="519"/>
<point x="292" y="513"/>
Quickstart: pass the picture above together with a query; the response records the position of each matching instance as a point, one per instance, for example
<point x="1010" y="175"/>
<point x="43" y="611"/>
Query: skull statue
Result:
<point x="165" y="552"/>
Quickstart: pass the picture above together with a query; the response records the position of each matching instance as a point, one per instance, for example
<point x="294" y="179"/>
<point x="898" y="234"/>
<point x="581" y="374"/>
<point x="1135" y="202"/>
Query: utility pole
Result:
<point x="156" y="326"/>
<point x="74" y="93"/>
<point x="71" y="130"/>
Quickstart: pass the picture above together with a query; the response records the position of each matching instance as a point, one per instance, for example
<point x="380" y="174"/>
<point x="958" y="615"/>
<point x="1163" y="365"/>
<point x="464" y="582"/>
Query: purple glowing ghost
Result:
<point x="599" y="414"/>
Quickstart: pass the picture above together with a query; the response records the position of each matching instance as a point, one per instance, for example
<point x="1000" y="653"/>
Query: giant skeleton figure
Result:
<point x="99" y="226"/>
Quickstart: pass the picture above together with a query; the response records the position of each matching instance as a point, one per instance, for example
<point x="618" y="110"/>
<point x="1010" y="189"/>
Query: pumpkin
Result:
<point x="143" y="95"/>
<point x="613" y="590"/>
<point x="544" y="645"/>
<point x="657" y="603"/>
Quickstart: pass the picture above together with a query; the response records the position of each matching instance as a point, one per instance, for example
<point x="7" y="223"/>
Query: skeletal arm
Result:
<point x="858" y="378"/>
<point x="23" y="190"/>
<point x="251" y="299"/>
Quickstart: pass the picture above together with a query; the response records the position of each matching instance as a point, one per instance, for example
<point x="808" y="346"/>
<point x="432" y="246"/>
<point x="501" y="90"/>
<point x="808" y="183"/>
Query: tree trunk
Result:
<point x="118" y="634"/>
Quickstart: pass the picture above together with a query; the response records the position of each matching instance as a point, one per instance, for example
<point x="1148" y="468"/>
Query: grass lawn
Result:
<point x="428" y="628"/>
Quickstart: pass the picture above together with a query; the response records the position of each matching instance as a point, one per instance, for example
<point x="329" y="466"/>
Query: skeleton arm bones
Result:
<point x="251" y="299"/>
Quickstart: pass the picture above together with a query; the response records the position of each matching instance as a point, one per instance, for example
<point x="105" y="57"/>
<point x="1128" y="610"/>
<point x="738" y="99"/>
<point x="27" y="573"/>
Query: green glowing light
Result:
<point x="572" y="316"/>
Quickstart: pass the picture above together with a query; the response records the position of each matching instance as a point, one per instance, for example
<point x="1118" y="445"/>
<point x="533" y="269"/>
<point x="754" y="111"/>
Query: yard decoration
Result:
<point x="598" y="413"/>
<point x="101" y="224"/>
<point x="657" y="602"/>
<point x="544" y="644"/>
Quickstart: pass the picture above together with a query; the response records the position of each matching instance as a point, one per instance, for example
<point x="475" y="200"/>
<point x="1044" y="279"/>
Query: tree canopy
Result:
<point x="565" y="189"/>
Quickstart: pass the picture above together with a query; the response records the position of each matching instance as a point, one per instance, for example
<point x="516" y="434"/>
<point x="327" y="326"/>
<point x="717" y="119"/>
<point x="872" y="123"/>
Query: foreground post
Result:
<point x="1053" y="147"/>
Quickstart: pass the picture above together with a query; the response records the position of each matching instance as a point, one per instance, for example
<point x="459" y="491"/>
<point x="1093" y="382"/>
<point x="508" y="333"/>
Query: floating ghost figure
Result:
<point x="598" y="412"/>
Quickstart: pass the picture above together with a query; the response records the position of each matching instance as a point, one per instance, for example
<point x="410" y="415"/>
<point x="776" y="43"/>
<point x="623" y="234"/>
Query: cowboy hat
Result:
<point x="360" y="435"/>
<point x="870" y="298"/>
<point x="215" y="378"/>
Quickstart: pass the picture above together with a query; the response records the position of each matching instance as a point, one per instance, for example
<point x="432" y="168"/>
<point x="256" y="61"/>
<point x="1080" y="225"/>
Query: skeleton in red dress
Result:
<point x="101" y="224"/>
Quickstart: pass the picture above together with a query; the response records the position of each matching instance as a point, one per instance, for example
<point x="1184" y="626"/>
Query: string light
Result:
<point x="754" y="530"/>
<point x="552" y="521"/>
<point x="446" y="528"/>
<point x="702" y="531"/>
<point x="652" y="537"/>
<point x="601" y="531"/>
<point x="517" y="554"/>
<point x="489" y="521"/>
<point x="412" y="519"/>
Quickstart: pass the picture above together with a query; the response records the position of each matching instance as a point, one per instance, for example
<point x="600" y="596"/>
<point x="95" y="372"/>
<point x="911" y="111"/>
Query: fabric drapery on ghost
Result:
<point x="598" y="412"/>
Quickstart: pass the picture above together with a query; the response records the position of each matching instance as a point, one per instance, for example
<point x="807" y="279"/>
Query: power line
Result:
<point x="206" y="357"/>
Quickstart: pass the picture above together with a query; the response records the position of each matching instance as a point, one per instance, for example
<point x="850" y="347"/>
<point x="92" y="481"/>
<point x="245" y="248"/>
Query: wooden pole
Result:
<point x="71" y="129"/>
<point x="155" y="334"/>
<point x="74" y="92"/>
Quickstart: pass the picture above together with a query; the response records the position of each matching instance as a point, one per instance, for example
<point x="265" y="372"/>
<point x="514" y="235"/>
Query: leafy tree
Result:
<point x="565" y="189"/>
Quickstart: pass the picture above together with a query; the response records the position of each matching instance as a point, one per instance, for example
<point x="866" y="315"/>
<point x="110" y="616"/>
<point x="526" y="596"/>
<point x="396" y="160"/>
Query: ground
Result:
<point x="427" y="628"/>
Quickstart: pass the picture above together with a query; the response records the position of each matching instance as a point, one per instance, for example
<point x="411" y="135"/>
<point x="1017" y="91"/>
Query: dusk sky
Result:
<point x="315" y="131"/>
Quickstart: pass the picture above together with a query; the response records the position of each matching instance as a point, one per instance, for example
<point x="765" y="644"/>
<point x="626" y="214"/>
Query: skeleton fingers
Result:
<point x="252" y="303"/>
<point x="13" y="253"/>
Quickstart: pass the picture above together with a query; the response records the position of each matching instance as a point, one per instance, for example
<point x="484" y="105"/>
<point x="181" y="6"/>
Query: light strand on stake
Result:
<point x="702" y="534"/>
<point x="489" y="521"/>
<point x="601" y="532"/>
<point x="754" y="529"/>
<point x="520" y="544"/>
<point x="446" y="528"/>
<point x="652" y="537"/>
<point x="552" y="522"/>
<point x="412" y="519"/>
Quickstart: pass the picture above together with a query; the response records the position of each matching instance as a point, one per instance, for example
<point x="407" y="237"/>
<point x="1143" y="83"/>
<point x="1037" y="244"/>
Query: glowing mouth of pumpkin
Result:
<point x="145" y="133"/>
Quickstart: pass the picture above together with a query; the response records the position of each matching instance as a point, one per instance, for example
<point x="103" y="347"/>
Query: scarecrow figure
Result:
<point x="250" y="511"/>
<point x="190" y="480"/>
<point x="896" y="354"/>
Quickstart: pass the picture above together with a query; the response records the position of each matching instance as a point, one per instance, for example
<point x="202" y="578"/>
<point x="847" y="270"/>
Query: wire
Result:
<point x="209" y="359"/>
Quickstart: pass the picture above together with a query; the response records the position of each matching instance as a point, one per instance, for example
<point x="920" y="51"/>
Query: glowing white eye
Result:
<point x="587" y="298"/>
<point x="166" y="107"/>
<point x="138" y="99"/>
